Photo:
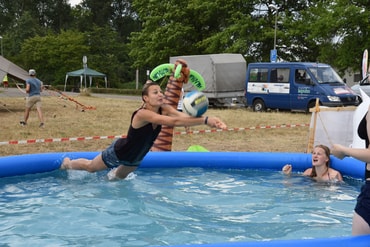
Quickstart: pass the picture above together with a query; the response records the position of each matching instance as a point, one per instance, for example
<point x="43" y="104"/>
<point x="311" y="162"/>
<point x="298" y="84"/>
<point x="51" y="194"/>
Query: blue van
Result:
<point x="295" y="86"/>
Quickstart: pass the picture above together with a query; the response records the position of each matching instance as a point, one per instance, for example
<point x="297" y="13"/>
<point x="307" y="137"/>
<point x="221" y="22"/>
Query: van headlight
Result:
<point x="334" y="98"/>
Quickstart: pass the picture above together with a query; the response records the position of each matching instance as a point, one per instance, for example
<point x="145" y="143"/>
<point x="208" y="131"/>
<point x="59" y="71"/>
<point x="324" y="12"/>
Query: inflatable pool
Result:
<point x="19" y="165"/>
<point x="37" y="163"/>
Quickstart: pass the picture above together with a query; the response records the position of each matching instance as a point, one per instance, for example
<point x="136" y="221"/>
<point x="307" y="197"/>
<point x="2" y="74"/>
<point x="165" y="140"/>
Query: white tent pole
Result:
<point x="85" y="77"/>
<point x="65" y="83"/>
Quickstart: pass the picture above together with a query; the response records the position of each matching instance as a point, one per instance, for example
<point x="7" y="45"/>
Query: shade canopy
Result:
<point x="84" y="74"/>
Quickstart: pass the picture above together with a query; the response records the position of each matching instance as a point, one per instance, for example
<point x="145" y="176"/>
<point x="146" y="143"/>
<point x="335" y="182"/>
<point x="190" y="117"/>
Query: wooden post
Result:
<point x="311" y="139"/>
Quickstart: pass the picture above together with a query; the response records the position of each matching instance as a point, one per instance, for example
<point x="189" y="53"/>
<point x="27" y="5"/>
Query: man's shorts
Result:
<point x="33" y="100"/>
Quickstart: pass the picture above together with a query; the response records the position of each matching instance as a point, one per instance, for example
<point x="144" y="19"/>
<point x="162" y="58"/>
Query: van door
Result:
<point x="279" y="88"/>
<point x="302" y="88"/>
<point x="268" y="87"/>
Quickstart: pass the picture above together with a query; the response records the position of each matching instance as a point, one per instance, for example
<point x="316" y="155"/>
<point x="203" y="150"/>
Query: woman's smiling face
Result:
<point x="319" y="157"/>
<point x="154" y="96"/>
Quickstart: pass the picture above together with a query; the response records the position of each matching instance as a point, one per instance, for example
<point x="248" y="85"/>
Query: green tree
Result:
<point x="334" y="32"/>
<point x="50" y="14"/>
<point x="168" y="28"/>
<point x="23" y="28"/>
<point x="100" y="12"/>
<point x="120" y="35"/>
<point x="54" y="55"/>
<point x="109" y="54"/>
<point x="124" y="19"/>
<point x="117" y="14"/>
<point x="349" y="30"/>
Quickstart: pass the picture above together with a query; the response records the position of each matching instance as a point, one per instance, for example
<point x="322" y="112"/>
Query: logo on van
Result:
<point x="265" y="88"/>
<point x="304" y="90"/>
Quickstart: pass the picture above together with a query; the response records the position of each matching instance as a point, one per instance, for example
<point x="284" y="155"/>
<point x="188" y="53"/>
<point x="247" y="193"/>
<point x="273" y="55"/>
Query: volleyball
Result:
<point x="195" y="103"/>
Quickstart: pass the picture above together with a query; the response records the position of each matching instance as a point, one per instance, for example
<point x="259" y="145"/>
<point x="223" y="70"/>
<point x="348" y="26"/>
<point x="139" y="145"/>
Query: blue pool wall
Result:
<point x="359" y="241"/>
<point x="45" y="162"/>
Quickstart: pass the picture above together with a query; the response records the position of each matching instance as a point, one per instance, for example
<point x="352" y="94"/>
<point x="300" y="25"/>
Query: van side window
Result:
<point x="301" y="76"/>
<point x="258" y="75"/>
<point x="279" y="75"/>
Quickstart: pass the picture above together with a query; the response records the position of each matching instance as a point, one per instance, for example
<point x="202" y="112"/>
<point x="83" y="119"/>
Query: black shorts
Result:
<point x="111" y="160"/>
<point x="363" y="202"/>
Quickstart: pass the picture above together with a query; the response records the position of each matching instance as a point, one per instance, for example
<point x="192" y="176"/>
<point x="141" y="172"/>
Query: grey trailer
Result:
<point x="224" y="74"/>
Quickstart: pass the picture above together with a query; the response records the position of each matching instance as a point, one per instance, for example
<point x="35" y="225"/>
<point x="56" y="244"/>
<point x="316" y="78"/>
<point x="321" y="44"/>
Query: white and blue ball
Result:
<point x="195" y="103"/>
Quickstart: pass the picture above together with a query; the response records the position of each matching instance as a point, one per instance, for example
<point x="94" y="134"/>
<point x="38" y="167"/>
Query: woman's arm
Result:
<point x="307" y="172"/>
<point x="170" y="118"/>
<point x="341" y="151"/>
<point x="287" y="169"/>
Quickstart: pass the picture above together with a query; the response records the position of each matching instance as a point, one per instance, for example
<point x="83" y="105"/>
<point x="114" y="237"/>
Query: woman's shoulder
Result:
<point x="166" y="107"/>
<point x="336" y="175"/>
<point x="333" y="171"/>
<point x="307" y="172"/>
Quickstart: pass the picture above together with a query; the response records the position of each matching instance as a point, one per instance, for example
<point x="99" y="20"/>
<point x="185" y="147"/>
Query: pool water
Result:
<point x="161" y="207"/>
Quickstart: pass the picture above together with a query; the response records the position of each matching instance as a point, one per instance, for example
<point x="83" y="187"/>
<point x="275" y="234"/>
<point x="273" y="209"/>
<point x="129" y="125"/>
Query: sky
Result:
<point x="74" y="2"/>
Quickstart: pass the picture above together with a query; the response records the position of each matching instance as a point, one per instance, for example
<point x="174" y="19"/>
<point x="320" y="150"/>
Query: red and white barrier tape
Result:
<point x="64" y="139"/>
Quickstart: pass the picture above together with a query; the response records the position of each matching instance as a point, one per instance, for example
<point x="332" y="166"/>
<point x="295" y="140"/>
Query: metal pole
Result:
<point x="276" y="8"/>
<point x="275" y="30"/>
<point x="1" y="38"/>
<point x="273" y="52"/>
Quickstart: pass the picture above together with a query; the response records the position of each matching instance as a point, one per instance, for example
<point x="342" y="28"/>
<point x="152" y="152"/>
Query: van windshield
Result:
<point x="326" y="75"/>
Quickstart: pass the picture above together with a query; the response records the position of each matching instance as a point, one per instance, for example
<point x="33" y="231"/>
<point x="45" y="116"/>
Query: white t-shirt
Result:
<point x="179" y="105"/>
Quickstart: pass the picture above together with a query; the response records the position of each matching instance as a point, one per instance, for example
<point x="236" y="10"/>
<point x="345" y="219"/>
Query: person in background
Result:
<point x="124" y="155"/>
<point x="179" y="105"/>
<point x="33" y="89"/>
<point x="5" y="81"/>
<point x="181" y="99"/>
<point x="320" y="170"/>
<point x="361" y="215"/>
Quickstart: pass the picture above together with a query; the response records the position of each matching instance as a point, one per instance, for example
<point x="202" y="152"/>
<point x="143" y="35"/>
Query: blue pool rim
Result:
<point x="18" y="165"/>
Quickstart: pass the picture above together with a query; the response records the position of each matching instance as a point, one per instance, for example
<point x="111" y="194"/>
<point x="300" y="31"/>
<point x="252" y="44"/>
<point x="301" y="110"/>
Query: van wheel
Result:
<point x="311" y="105"/>
<point x="259" y="105"/>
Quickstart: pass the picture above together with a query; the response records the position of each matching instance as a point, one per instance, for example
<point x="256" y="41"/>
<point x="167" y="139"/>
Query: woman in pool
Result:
<point x="361" y="216"/>
<point x="320" y="170"/>
<point x="126" y="154"/>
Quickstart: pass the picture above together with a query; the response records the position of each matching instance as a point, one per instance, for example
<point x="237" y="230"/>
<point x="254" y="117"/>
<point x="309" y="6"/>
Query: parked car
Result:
<point x="364" y="84"/>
